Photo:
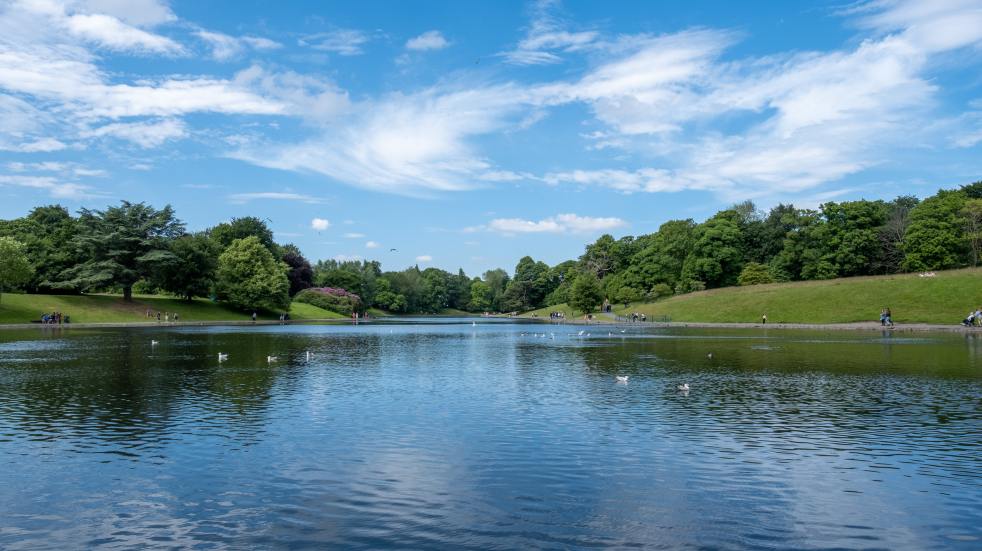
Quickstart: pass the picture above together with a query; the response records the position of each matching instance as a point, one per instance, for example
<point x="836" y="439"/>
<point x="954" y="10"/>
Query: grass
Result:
<point x="943" y="299"/>
<point x="22" y="308"/>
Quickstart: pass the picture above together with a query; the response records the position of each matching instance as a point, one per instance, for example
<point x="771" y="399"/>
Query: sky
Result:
<point x="470" y="134"/>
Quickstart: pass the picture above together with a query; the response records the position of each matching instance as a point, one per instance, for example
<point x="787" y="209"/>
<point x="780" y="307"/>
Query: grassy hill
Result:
<point x="944" y="299"/>
<point x="21" y="308"/>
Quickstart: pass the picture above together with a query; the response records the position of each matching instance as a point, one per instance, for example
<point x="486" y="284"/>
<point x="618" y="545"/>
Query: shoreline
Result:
<point x="848" y="326"/>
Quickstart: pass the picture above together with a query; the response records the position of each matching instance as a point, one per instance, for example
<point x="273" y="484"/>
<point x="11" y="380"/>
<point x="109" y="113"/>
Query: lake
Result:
<point x="425" y="434"/>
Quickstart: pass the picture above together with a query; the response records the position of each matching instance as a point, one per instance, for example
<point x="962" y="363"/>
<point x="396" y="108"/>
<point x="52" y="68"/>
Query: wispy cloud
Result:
<point x="354" y="235"/>
<point x="346" y="42"/>
<point x="320" y="224"/>
<point x="144" y="134"/>
<point x="547" y="37"/>
<point x="55" y="187"/>
<point x="371" y="245"/>
<point x="273" y="196"/>
<point x="424" y="258"/>
<point x="225" y="47"/>
<point x="561" y="223"/>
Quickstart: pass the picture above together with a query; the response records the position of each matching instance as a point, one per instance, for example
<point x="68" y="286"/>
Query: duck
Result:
<point x="222" y="357"/>
<point x="684" y="387"/>
<point x="622" y="379"/>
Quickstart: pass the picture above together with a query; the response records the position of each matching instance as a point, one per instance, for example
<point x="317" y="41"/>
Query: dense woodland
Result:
<point x="135" y="248"/>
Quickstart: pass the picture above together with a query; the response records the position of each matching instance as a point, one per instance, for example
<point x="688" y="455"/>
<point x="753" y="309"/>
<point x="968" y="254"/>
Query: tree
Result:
<point x="300" y="274"/>
<point x="481" y="296"/>
<point x="853" y="235"/>
<point x="191" y="272"/>
<point x="249" y="277"/>
<point x="628" y="295"/>
<point x="934" y="240"/>
<point x="716" y="255"/>
<point x="755" y="273"/>
<point x="892" y="233"/>
<point x="15" y="269"/>
<point x="585" y="294"/>
<point x="240" y="228"/>
<point x="972" y="214"/>
<point x="121" y="245"/>
<point x="529" y="287"/>
<point x="47" y="233"/>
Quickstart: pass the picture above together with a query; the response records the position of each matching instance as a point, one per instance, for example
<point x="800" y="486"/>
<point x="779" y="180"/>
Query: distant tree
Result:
<point x="754" y="274"/>
<point x="627" y="295"/>
<point x="892" y="233"/>
<point x="249" y="277"/>
<point x="481" y="296"/>
<point x="972" y="215"/>
<point x="300" y="274"/>
<point x="716" y="256"/>
<point x="240" y="228"/>
<point x="47" y="233"/>
<point x="934" y="239"/>
<point x="853" y="235"/>
<point x="973" y="191"/>
<point x="121" y="245"/>
<point x="661" y="290"/>
<point x="15" y="269"/>
<point x="529" y="287"/>
<point x="585" y="294"/>
<point x="600" y="257"/>
<point x="191" y="271"/>
<point x="497" y="280"/>
<point x="388" y="300"/>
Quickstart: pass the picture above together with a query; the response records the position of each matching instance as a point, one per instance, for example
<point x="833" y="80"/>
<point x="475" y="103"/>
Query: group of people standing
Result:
<point x="165" y="317"/>
<point x="886" y="317"/>
<point x="54" y="318"/>
<point x="635" y="317"/>
<point x="557" y="316"/>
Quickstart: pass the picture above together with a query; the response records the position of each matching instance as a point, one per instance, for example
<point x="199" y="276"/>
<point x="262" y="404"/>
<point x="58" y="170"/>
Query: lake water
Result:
<point x="440" y="434"/>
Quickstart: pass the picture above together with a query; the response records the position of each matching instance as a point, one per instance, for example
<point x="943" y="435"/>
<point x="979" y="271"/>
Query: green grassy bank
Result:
<point x="22" y="308"/>
<point x="943" y="299"/>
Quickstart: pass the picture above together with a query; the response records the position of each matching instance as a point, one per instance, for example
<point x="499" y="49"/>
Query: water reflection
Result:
<point x="443" y="433"/>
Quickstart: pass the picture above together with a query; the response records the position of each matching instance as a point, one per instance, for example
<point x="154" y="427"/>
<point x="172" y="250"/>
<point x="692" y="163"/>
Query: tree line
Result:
<point x="133" y="247"/>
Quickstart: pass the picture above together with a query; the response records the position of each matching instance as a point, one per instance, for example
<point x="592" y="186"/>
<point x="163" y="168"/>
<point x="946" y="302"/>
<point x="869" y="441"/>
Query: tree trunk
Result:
<point x="128" y="293"/>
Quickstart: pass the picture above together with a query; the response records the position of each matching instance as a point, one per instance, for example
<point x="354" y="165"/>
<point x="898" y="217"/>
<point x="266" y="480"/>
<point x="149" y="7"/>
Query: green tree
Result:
<point x="934" y="239"/>
<point x="15" y="269"/>
<point x="121" y="245"/>
<point x="755" y="273"/>
<point x="585" y="294"/>
<point x="529" y="287"/>
<point x="481" y="296"/>
<point x="191" y="271"/>
<point x="972" y="216"/>
<point x="854" y="235"/>
<point x="47" y="233"/>
<point x="300" y="274"/>
<point x="249" y="277"/>
<point x="716" y="256"/>
<point x="627" y="295"/>
<point x="240" y="228"/>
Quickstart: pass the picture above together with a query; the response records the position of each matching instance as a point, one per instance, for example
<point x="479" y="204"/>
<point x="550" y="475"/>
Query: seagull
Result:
<point x="271" y="359"/>
<point x="473" y="324"/>
<point x="154" y="343"/>
<point x="684" y="387"/>
<point x="309" y="355"/>
<point x="581" y="333"/>
<point x="222" y="357"/>
<point x="622" y="379"/>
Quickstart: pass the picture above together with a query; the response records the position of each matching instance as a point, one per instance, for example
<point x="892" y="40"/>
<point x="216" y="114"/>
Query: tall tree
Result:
<point x="250" y="277"/>
<point x="47" y="234"/>
<point x="15" y="269"/>
<point x="191" y="272"/>
<point x="716" y="258"/>
<point x="240" y="228"/>
<point x="934" y="239"/>
<point x="121" y="245"/>
<point x="300" y="274"/>
<point x="586" y="294"/>
<point x="972" y="215"/>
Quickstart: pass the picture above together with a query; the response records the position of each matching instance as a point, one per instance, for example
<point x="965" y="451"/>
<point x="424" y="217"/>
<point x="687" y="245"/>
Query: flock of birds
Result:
<point x="621" y="379"/>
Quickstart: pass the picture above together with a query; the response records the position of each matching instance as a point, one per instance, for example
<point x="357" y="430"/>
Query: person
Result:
<point x="978" y="316"/>
<point x="644" y="317"/>
<point x="158" y="317"/>
<point x="167" y="317"/>
<point x="175" y="317"/>
<point x="970" y="320"/>
<point x="763" y="319"/>
<point x="254" y="316"/>
<point x="889" y="317"/>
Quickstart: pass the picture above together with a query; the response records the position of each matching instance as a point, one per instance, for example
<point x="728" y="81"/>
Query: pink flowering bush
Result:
<point x="334" y="299"/>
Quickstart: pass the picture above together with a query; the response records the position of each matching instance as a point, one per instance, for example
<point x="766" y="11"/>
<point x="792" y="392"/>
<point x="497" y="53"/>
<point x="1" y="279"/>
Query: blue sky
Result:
<point x="469" y="134"/>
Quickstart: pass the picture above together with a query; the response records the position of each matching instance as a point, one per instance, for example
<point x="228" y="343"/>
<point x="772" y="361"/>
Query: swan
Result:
<point x="271" y="359"/>
<point x="473" y="324"/>
<point x="622" y="378"/>
<point x="154" y="343"/>
<point x="684" y="387"/>
<point x="581" y="333"/>
<point x="309" y="355"/>
<point x="222" y="357"/>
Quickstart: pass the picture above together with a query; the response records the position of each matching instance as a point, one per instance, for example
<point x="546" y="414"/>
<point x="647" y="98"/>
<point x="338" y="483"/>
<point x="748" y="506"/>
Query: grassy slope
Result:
<point x="944" y="299"/>
<point x="17" y="308"/>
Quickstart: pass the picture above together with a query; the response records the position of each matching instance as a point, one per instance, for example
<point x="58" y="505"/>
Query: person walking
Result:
<point x="763" y="319"/>
<point x="254" y="316"/>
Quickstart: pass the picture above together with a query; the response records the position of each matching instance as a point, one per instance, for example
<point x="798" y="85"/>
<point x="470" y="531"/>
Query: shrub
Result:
<point x="331" y="298"/>
<point x="755" y="274"/>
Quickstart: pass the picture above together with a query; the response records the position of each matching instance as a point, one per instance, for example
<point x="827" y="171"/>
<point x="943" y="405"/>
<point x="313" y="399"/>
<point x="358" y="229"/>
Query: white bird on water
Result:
<point x="222" y="357"/>
<point x="473" y="324"/>
<point x="271" y="359"/>
<point x="309" y="355"/>
<point x="622" y="379"/>
<point x="684" y="387"/>
<point x="154" y="343"/>
<point x="710" y="355"/>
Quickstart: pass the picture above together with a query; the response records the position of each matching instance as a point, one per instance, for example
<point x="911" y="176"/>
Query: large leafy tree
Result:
<point x="585" y="294"/>
<point x="716" y="257"/>
<point x="972" y="215"/>
<point x="300" y="274"/>
<point x="934" y="239"/>
<point x="661" y="260"/>
<point x="121" y="245"/>
<point x="47" y="233"/>
<point x="529" y="287"/>
<point x="481" y="296"/>
<point x="240" y="228"/>
<point x="853" y="235"/>
<point x="15" y="269"/>
<point x="250" y="277"/>
<point x="191" y="272"/>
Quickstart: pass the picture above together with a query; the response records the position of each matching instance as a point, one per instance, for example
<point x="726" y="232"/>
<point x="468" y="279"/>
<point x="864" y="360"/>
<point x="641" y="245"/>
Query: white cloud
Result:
<point x="346" y="42"/>
<point x="547" y="35"/>
<point x="274" y="196"/>
<point x="424" y="258"/>
<point x="113" y="34"/>
<point x="310" y="97"/>
<point x="225" y="47"/>
<point x="430" y="40"/>
<point x="142" y="13"/>
<point x="371" y="245"/>
<point x="353" y="235"/>
<point x="347" y="257"/>
<point x="43" y="145"/>
<point x="561" y="223"/>
<point x="54" y="186"/>
<point x="145" y="134"/>
<point x="319" y="224"/>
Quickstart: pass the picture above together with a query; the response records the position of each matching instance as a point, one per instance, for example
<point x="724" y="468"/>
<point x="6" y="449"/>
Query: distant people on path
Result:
<point x="158" y="317"/>
<point x="253" y="317"/>
<point x="763" y="319"/>
<point x="974" y="318"/>
<point x="175" y="317"/>
<point x="54" y="318"/>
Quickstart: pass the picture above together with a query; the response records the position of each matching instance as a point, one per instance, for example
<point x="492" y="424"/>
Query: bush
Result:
<point x="331" y="298"/>
<point x="661" y="290"/>
<point x="755" y="274"/>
